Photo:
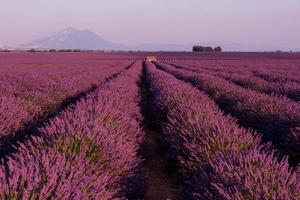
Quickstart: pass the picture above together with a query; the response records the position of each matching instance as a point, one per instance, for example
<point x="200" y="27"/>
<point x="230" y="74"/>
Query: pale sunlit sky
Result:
<point x="272" y="22"/>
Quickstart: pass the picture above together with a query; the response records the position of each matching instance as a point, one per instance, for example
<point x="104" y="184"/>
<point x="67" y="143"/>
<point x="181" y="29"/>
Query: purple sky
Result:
<point x="271" y="22"/>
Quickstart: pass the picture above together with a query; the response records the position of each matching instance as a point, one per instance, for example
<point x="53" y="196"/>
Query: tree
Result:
<point x="204" y="48"/>
<point x="32" y="50"/>
<point x="218" y="48"/>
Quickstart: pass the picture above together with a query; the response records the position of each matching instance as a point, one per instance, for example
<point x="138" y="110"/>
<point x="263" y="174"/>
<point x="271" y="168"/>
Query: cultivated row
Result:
<point x="272" y="70"/>
<point x="215" y="158"/>
<point x="31" y="94"/>
<point x="245" y="78"/>
<point x="277" y="118"/>
<point x="90" y="151"/>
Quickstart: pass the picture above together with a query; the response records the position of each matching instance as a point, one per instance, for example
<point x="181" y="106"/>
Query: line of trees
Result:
<point x="204" y="48"/>
<point x="4" y="50"/>
<point x="55" y="50"/>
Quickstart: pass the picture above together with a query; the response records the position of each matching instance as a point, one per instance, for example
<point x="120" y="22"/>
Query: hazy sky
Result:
<point x="271" y="22"/>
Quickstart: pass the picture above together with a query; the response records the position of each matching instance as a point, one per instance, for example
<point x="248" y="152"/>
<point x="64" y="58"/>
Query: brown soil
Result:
<point x="160" y="184"/>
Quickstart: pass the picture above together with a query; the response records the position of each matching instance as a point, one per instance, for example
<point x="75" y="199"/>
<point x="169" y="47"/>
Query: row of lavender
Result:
<point x="215" y="158"/>
<point x="277" y="118"/>
<point x="259" y="80"/>
<point x="278" y="70"/>
<point x="90" y="151"/>
<point x="31" y="93"/>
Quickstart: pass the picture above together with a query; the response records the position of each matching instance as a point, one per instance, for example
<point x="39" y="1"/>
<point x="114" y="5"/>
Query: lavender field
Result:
<point x="100" y="125"/>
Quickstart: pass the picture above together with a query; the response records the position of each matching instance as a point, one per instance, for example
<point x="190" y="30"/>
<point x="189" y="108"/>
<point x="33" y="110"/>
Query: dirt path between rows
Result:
<point x="160" y="183"/>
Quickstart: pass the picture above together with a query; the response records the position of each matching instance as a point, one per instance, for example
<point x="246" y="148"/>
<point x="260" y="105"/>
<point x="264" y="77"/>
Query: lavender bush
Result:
<point x="31" y="93"/>
<point x="216" y="158"/>
<point x="273" y="116"/>
<point x="90" y="151"/>
<point x="244" y="77"/>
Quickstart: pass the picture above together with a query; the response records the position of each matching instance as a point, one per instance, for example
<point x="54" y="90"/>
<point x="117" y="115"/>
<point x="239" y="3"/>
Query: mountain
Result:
<point x="234" y="46"/>
<point x="72" y="38"/>
<point x="226" y="46"/>
<point x="163" y="47"/>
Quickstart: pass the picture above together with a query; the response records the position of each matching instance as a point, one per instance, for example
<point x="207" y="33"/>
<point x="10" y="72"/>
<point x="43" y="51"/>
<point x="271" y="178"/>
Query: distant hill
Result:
<point x="226" y="46"/>
<point x="71" y="38"/>
<point x="163" y="47"/>
<point x="234" y="46"/>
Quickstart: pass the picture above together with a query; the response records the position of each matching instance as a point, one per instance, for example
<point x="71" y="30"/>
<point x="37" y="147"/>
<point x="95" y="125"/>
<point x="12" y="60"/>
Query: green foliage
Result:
<point x="218" y="48"/>
<point x="204" y="48"/>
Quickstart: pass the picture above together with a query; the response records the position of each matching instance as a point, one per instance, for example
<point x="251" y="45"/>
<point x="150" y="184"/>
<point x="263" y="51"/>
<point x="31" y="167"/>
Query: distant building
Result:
<point x="151" y="58"/>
